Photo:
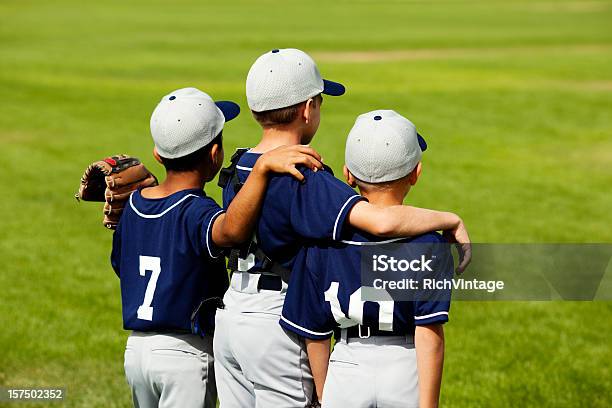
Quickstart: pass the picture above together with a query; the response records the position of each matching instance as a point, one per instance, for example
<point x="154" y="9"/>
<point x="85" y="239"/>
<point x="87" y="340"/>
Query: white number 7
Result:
<point x="153" y="264"/>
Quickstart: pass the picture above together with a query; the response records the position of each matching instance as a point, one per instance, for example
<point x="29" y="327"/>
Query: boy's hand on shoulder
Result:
<point x="460" y="237"/>
<point x="285" y="159"/>
<point x="239" y="220"/>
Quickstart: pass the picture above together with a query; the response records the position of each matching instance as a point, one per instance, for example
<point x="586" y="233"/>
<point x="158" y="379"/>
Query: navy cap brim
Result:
<point x="333" y="88"/>
<point x="229" y="109"/>
<point x="422" y="142"/>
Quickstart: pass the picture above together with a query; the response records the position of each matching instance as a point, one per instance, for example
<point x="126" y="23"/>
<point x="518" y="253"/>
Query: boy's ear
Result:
<point x="156" y="155"/>
<point x="415" y="174"/>
<point x="350" y="179"/>
<point x="308" y="107"/>
<point x="214" y="153"/>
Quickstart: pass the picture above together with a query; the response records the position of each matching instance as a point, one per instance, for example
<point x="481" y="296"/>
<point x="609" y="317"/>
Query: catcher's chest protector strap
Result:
<point x="229" y="176"/>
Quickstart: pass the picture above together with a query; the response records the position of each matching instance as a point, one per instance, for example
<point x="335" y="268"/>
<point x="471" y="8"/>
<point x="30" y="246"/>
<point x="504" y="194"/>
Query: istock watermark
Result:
<point x="425" y="272"/>
<point x="439" y="284"/>
<point x="385" y="263"/>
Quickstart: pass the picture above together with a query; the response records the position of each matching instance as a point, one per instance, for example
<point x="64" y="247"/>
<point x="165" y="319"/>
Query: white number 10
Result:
<point x="355" y="307"/>
<point x="153" y="264"/>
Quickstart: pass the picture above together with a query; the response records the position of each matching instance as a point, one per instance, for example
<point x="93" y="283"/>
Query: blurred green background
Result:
<point x="514" y="97"/>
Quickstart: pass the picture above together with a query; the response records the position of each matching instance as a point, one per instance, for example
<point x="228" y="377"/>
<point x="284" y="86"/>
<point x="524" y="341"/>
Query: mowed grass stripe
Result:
<point x="458" y="53"/>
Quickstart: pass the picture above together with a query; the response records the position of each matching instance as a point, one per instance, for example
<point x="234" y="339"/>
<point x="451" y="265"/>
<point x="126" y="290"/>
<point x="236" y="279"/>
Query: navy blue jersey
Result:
<point x="165" y="258"/>
<point x="325" y="293"/>
<point x="295" y="213"/>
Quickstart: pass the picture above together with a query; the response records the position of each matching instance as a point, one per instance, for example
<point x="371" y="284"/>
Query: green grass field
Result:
<point x="514" y="97"/>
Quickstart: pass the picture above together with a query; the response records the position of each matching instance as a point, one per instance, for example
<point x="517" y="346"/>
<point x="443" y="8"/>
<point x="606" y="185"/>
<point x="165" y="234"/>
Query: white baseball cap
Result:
<point x="188" y="119"/>
<point x="383" y="146"/>
<point x="285" y="77"/>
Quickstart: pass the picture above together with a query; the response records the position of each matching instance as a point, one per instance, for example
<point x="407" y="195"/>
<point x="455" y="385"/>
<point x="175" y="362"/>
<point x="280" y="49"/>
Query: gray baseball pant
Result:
<point x="170" y="370"/>
<point x="258" y="363"/>
<point x="373" y="372"/>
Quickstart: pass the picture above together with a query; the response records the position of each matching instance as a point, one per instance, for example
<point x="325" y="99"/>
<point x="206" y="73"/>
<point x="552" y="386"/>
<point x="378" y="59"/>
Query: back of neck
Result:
<point x="386" y="198"/>
<point x="173" y="183"/>
<point x="274" y="137"/>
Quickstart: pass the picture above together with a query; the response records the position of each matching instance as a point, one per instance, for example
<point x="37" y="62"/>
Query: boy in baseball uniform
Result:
<point x="387" y="354"/>
<point x="259" y="363"/>
<point x="166" y="250"/>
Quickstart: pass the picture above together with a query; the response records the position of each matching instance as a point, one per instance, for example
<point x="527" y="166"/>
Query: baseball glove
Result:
<point x="111" y="181"/>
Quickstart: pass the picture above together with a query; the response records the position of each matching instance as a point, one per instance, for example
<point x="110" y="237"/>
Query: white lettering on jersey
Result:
<point x="153" y="264"/>
<point x="355" y="312"/>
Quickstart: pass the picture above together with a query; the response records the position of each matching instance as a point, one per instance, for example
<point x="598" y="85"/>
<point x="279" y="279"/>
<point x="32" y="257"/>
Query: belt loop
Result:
<point x="344" y="335"/>
<point x="361" y="336"/>
<point x="245" y="282"/>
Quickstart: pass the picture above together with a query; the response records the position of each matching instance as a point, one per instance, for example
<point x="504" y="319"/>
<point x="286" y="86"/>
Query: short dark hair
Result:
<point x="192" y="160"/>
<point x="281" y="116"/>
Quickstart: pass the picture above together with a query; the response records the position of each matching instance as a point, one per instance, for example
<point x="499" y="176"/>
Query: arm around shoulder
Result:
<point x="239" y="221"/>
<point x="236" y="225"/>
<point x="400" y="220"/>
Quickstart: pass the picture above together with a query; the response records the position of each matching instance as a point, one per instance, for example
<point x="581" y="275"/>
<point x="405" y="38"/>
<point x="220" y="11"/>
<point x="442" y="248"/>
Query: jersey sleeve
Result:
<point x="304" y="310"/>
<point x="321" y="205"/>
<point x="433" y="311"/>
<point x="200" y="222"/>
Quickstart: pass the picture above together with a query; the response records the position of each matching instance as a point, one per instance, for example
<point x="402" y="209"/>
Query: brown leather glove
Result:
<point x="111" y="181"/>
